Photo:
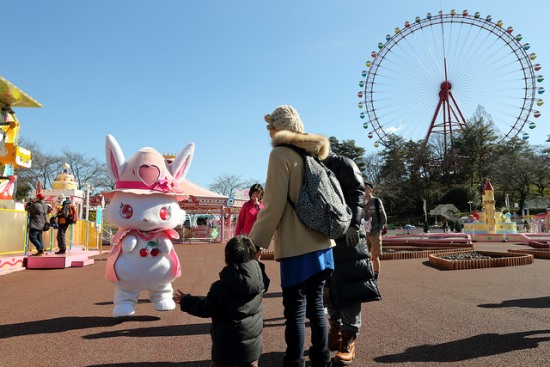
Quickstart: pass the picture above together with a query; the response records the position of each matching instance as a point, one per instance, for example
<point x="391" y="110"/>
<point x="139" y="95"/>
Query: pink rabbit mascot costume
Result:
<point x="144" y="206"/>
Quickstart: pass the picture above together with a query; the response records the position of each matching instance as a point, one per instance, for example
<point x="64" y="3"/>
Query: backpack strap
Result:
<point x="303" y="154"/>
<point x="377" y="206"/>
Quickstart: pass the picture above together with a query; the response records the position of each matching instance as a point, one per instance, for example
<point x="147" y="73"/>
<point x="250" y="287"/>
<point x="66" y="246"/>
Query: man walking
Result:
<point x="376" y="222"/>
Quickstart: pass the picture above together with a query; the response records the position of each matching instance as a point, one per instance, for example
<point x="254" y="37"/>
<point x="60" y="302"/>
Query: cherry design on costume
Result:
<point x="145" y="251"/>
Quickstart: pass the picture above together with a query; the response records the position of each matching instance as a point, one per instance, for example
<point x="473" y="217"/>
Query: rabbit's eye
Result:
<point x="126" y="211"/>
<point x="165" y="213"/>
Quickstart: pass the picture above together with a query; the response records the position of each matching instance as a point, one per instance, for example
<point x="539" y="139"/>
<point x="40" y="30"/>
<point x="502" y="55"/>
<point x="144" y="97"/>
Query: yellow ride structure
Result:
<point x="12" y="156"/>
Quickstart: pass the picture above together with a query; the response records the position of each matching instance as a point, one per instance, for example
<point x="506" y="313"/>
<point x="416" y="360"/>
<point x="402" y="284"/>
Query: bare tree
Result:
<point x="87" y="170"/>
<point x="43" y="169"/>
<point x="226" y="184"/>
<point x="373" y="165"/>
<point x="249" y="182"/>
<point x="46" y="166"/>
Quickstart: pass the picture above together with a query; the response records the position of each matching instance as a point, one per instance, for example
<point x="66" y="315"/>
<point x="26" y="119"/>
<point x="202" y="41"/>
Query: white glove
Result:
<point x="352" y="236"/>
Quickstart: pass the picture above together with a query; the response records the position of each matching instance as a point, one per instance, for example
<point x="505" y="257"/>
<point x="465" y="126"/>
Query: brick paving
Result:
<point x="428" y="317"/>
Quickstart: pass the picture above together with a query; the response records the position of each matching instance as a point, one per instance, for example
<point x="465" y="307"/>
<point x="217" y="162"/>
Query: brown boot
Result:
<point x="346" y="353"/>
<point x="334" y="337"/>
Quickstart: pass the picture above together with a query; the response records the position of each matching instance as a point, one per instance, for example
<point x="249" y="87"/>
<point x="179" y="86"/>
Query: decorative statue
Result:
<point x="144" y="206"/>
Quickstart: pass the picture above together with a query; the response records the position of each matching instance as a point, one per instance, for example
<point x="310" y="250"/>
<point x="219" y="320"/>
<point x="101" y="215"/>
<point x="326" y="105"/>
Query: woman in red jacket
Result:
<point x="250" y="209"/>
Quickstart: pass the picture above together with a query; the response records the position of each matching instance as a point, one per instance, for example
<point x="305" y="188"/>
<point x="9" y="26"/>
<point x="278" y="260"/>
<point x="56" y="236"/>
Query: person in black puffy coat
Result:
<point x="352" y="280"/>
<point x="234" y="303"/>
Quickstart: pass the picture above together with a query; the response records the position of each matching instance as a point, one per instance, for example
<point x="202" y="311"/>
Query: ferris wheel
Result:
<point x="431" y="76"/>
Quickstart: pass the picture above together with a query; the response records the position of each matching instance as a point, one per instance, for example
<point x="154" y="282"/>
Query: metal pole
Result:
<point x="87" y="223"/>
<point x="425" y="210"/>
<point x="87" y="200"/>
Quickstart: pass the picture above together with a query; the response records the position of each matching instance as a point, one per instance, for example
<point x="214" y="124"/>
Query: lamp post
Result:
<point x="425" y="208"/>
<point x="88" y="187"/>
<point x="470" y="202"/>
<point x="507" y="201"/>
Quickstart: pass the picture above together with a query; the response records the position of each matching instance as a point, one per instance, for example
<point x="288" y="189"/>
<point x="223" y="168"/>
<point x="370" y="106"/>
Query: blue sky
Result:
<point x="166" y="73"/>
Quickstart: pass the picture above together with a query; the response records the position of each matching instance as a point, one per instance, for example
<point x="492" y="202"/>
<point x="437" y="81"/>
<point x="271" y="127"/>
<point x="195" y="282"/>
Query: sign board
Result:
<point x="99" y="216"/>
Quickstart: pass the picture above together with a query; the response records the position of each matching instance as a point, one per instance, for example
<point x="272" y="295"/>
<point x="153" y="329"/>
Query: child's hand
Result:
<point x="178" y="296"/>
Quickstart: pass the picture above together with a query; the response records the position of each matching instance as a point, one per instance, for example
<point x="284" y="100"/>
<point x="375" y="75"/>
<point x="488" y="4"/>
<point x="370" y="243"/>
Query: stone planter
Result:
<point x="496" y="259"/>
<point x="414" y="252"/>
<point x="267" y="255"/>
<point x="538" y="254"/>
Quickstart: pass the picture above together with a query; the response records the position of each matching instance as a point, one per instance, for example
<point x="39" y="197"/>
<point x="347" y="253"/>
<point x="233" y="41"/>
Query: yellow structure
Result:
<point x="488" y="202"/>
<point x="490" y="221"/>
<point x="65" y="180"/>
<point x="13" y="218"/>
<point x="10" y="152"/>
<point x="12" y="156"/>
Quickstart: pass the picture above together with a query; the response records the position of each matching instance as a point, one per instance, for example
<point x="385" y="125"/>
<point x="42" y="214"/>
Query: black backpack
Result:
<point x="321" y="205"/>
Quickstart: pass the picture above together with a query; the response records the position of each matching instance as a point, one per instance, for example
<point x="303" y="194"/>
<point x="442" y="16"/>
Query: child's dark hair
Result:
<point x="256" y="188"/>
<point x="239" y="249"/>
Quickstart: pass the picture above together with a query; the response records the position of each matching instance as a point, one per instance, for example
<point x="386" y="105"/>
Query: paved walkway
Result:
<point x="428" y="317"/>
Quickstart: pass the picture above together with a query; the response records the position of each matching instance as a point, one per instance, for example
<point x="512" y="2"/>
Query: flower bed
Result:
<point x="415" y="252"/>
<point x="539" y="245"/>
<point x="427" y="242"/>
<point x="538" y="254"/>
<point x="267" y="255"/>
<point x="479" y="260"/>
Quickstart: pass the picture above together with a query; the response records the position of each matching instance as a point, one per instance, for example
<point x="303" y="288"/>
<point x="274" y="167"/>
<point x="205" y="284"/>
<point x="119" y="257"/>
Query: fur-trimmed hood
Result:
<point x="314" y="144"/>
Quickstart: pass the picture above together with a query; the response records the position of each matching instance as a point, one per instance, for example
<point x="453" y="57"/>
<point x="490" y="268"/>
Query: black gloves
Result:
<point x="352" y="236"/>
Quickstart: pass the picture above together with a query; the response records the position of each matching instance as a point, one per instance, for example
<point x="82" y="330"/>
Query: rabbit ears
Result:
<point x="147" y="171"/>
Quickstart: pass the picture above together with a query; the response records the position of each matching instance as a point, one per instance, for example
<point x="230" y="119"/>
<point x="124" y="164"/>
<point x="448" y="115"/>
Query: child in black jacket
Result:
<point x="234" y="303"/>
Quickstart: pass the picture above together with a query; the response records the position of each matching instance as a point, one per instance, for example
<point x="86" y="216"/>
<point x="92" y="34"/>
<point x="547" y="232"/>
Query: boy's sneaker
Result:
<point x="60" y="252"/>
<point x="39" y="253"/>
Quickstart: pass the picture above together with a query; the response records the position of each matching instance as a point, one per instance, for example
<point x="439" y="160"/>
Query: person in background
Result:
<point x="376" y="222"/>
<point x="305" y="256"/>
<point x="63" y="213"/>
<point x="249" y="211"/>
<point x="351" y="267"/>
<point x="37" y="210"/>
<point x="234" y="303"/>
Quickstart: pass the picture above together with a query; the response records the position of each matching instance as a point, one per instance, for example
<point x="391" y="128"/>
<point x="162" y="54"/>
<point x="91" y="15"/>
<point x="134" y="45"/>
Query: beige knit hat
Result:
<point x="284" y="118"/>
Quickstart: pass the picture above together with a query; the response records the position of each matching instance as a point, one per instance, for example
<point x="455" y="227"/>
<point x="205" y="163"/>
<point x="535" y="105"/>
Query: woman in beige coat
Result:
<point x="305" y="256"/>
